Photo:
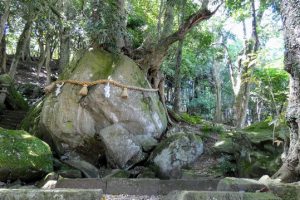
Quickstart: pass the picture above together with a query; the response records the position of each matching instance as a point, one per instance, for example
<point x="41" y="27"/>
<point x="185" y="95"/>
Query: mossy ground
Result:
<point x="23" y="154"/>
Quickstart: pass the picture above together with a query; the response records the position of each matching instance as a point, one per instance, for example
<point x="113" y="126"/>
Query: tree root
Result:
<point x="286" y="174"/>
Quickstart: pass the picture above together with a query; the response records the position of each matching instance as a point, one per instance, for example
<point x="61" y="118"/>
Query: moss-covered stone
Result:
<point x="23" y="156"/>
<point x="252" y="149"/>
<point x="262" y="131"/>
<point x="31" y="121"/>
<point x="191" y="119"/>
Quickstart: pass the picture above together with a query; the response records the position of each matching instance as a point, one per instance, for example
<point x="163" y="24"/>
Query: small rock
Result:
<point x="86" y="168"/>
<point x="49" y="184"/>
<point x="2" y="184"/>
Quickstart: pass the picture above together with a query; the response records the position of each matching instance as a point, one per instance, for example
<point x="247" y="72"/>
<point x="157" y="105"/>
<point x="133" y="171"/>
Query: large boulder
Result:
<point x="23" y="156"/>
<point x="251" y="152"/>
<point x="102" y="122"/>
<point x="178" y="151"/>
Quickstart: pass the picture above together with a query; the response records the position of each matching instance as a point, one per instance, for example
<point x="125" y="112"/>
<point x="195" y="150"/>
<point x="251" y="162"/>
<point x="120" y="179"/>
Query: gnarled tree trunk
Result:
<point x="290" y="10"/>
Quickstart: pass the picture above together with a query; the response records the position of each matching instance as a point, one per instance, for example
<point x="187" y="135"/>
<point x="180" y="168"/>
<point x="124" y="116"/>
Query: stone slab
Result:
<point x="213" y="195"/>
<point x="55" y="194"/>
<point x="166" y="186"/>
<point x="133" y="186"/>
<point x="142" y="186"/>
<point x="82" y="183"/>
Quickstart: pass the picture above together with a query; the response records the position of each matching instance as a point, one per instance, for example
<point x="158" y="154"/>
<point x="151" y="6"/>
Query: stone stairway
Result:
<point x="176" y="189"/>
<point x="11" y="119"/>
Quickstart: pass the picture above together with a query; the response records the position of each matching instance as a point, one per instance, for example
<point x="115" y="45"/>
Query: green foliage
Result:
<point x="210" y="127"/>
<point x="203" y="105"/>
<point x="191" y="119"/>
<point x="226" y="166"/>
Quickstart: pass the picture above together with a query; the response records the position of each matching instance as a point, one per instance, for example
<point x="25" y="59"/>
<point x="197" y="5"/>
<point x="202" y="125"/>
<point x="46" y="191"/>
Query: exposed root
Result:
<point x="286" y="174"/>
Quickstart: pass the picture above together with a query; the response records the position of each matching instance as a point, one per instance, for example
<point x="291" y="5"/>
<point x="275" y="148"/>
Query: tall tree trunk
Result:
<point x="3" y="54"/>
<point x="290" y="10"/>
<point x="64" y="53"/>
<point x="4" y="17"/>
<point x="41" y="58"/>
<point x="160" y="13"/>
<point x="47" y="61"/>
<point x="26" y="52"/>
<point x="217" y="82"/>
<point x="241" y="103"/>
<point x="242" y="94"/>
<point x="177" y="91"/>
<point x="21" y="47"/>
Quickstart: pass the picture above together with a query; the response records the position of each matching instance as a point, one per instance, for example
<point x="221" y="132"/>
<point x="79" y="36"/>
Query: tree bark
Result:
<point x="3" y="54"/>
<point x="290" y="10"/>
<point x="64" y="53"/>
<point x="4" y="17"/>
<point x="21" y="46"/>
<point x="217" y="82"/>
<point x="177" y="89"/>
<point x="47" y="62"/>
<point x="26" y="52"/>
<point x="42" y="57"/>
<point x="177" y="92"/>
<point x="151" y="56"/>
<point x="242" y="90"/>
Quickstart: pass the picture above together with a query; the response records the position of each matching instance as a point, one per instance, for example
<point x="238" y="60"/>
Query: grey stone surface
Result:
<point x="175" y="152"/>
<point x="56" y="194"/>
<point x="133" y="186"/>
<point x="166" y="186"/>
<point x="102" y="122"/>
<point x="89" y="170"/>
<point x="204" y="195"/>
<point x="86" y="183"/>
<point x="240" y="184"/>
<point x="141" y="186"/>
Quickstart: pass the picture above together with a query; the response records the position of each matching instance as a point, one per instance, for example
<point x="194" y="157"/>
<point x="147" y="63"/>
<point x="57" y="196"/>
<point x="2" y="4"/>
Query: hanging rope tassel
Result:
<point x="124" y="94"/>
<point x="49" y="88"/>
<point x="84" y="90"/>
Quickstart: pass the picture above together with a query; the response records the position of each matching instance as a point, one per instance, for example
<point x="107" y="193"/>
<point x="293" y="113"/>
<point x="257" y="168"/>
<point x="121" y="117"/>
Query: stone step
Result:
<point x="138" y="186"/>
<point x="10" y="127"/>
<point x="11" y="119"/>
<point x="214" y="195"/>
<point x="53" y="194"/>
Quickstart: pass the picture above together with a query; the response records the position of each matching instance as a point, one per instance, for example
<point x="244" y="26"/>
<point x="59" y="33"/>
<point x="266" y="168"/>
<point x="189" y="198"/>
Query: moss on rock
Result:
<point x="23" y="156"/>
<point x="31" y="121"/>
